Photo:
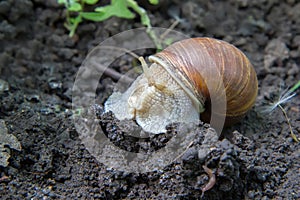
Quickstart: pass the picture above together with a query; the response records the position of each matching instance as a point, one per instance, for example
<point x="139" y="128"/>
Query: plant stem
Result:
<point x="145" y="21"/>
<point x="295" y="87"/>
<point x="289" y="123"/>
<point x="74" y="25"/>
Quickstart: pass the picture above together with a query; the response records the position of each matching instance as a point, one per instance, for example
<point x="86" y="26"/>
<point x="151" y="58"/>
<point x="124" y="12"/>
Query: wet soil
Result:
<point x="254" y="159"/>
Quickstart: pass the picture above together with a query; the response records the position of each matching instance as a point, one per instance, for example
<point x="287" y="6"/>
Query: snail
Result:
<point x="182" y="81"/>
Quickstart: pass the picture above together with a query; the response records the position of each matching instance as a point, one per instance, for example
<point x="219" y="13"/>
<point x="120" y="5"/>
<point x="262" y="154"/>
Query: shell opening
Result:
<point x="198" y="104"/>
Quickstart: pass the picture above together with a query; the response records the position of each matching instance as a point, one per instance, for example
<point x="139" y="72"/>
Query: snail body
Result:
<point x="183" y="80"/>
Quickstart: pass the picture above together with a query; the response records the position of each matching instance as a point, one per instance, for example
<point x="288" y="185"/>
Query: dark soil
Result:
<point x="255" y="159"/>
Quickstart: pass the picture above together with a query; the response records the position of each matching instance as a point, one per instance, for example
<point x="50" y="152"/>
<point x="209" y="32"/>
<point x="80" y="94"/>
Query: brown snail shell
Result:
<point x="183" y="60"/>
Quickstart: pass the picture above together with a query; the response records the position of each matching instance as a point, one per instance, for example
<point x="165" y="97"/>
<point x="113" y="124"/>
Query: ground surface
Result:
<point x="39" y="62"/>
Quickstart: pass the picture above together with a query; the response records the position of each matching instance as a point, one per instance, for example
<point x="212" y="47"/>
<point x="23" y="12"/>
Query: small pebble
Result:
<point x="4" y="86"/>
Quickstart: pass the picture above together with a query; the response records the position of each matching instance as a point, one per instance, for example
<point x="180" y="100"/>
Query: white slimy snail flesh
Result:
<point x="154" y="100"/>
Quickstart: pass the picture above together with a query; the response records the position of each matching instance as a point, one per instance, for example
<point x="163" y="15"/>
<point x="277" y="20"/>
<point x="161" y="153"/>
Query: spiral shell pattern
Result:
<point x="203" y="65"/>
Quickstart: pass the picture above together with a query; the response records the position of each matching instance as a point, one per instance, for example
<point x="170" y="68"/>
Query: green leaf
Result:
<point x="62" y="1"/>
<point x="90" y="2"/>
<point x="75" y="20"/>
<point x="154" y="2"/>
<point x="75" y="7"/>
<point x="94" y="16"/>
<point x="116" y="8"/>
